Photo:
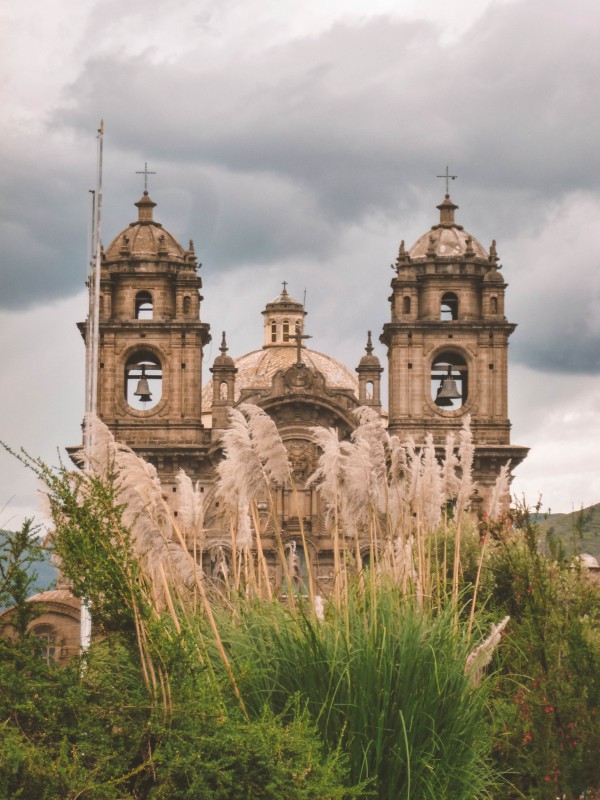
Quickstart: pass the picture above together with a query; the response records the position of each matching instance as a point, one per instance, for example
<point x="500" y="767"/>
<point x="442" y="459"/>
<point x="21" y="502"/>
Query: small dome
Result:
<point x="369" y="360"/>
<point x="283" y="302"/>
<point x="224" y="360"/>
<point x="145" y="239"/>
<point x="447" y="239"/>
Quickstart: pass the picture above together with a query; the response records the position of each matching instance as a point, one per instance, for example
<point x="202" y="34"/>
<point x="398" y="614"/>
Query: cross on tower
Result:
<point x="284" y="287"/>
<point x="448" y="178"/>
<point x="145" y="173"/>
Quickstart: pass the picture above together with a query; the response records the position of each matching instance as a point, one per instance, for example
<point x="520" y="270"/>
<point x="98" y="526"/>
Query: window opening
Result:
<point x="143" y="305"/>
<point x="406" y="305"/>
<point x="49" y="645"/>
<point x="369" y="390"/>
<point x="449" y="380"/>
<point x="143" y="380"/>
<point x="273" y="331"/>
<point x="449" y="307"/>
<point x="494" y="305"/>
<point x="286" y="330"/>
<point x="187" y="305"/>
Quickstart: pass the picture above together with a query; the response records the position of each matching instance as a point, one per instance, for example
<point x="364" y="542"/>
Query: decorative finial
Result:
<point x="431" y="247"/>
<point x="469" y="251"/>
<point x="401" y="258"/>
<point x="191" y="247"/>
<point x="493" y="253"/>
<point x="145" y="173"/>
<point x="223" y="347"/>
<point x="369" y="347"/>
<point x="448" y="178"/>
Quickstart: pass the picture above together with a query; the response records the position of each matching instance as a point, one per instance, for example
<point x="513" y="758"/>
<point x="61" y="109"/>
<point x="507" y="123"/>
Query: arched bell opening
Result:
<point x="449" y="307"/>
<point x="144" y="307"/>
<point x="449" y="380"/>
<point x="143" y="380"/>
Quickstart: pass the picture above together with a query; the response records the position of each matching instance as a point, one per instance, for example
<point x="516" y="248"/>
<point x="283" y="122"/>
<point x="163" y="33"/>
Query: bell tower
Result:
<point x="447" y="344"/>
<point x="150" y="345"/>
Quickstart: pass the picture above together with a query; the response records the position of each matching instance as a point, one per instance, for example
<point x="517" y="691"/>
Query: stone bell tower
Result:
<point x="150" y="348"/>
<point x="447" y="344"/>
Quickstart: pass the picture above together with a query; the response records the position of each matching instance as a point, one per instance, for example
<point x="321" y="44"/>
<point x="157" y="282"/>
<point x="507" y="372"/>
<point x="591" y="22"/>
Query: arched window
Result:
<point x="50" y="648"/>
<point x="286" y="330"/>
<point x="449" y="307"/>
<point x="223" y="391"/>
<point x="406" y="305"/>
<point x="449" y="380"/>
<point x="493" y="305"/>
<point x="187" y="305"/>
<point x="143" y="305"/>
<point x="369" y="390"/>
<point x="143" y="380"/>
<point x="273" y="331"/>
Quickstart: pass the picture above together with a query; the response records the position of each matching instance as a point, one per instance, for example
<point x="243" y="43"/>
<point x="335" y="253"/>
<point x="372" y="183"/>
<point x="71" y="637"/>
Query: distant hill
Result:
<point x="579" y="531"/>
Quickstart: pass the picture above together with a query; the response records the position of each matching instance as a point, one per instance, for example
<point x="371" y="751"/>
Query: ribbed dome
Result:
<point x="256" y="369"/>
<point x="145" y="239"/>
<point x="447" y="239"/>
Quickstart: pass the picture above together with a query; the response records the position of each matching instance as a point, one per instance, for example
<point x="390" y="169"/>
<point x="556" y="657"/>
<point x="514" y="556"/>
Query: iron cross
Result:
<point x="145" y="173"/>
<point x="448" y="178"/>
<point x="297" y="337"/>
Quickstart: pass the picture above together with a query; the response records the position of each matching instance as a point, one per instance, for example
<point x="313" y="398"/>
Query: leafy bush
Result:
<point x="547" y="694"/>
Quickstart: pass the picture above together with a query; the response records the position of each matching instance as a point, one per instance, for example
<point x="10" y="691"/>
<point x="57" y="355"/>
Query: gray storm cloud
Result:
<point x="268" y="159"/>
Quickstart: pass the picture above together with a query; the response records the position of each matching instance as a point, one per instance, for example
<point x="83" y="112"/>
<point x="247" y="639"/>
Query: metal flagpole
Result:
<point x="91" y="350"/>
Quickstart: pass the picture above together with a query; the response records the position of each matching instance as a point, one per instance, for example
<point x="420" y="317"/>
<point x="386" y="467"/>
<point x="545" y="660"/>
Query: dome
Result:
<point x="447" y="239"/>
<point x="256" y="370"/>
<point x="145" y="239"/>
<point x="283" y="302"/>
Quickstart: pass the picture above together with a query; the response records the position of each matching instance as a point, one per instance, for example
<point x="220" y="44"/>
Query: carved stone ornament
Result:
<point x="298" y="377"/>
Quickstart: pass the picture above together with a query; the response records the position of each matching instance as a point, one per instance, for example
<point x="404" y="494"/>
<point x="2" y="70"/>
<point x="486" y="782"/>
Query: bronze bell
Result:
<point x="448" y="389"/>
<point x="442" y="402"/>
<point x="143" y="388"/>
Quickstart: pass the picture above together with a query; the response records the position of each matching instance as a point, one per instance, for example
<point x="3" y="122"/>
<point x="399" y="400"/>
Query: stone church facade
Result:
<point x="447" y="356"/>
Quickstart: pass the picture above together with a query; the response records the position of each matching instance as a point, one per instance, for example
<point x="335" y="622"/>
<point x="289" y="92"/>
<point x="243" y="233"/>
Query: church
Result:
<point x="447" y="357"/>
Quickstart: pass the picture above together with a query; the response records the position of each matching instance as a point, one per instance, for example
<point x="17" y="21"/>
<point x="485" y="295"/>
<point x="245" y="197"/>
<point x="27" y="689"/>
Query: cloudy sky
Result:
<point x="300" y="140"/>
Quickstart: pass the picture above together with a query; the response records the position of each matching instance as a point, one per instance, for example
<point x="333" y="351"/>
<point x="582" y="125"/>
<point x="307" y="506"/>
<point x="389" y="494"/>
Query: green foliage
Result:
<point x="547" y="696"/>
<point x="91" y="730"/>
<point x="19" y="552"/>
<point x="141" y="716"/>
<point x="384" y="681"/>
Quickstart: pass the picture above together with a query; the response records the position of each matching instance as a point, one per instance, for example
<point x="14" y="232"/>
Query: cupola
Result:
<point x="282" y="317"/>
